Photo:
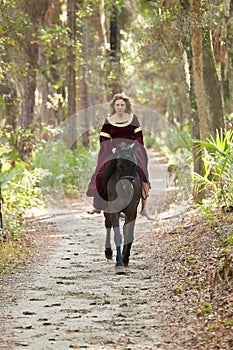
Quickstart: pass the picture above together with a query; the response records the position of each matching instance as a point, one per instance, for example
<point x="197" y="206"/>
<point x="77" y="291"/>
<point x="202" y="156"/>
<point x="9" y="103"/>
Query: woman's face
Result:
<point x="120" y="106"/>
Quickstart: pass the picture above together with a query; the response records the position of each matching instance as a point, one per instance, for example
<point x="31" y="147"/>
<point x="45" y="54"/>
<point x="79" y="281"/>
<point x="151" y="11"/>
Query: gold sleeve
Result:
<point x="137" y="129"/>
<point x="105" y="134"/>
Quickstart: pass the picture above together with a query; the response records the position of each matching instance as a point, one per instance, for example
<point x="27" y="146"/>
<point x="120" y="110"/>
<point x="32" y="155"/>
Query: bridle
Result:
<point x="127" y="177"/>
<point x="127" y="155"/>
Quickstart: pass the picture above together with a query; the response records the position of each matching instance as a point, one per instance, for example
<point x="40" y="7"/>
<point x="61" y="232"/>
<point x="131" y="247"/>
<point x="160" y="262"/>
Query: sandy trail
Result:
<point x="74" y="299"/>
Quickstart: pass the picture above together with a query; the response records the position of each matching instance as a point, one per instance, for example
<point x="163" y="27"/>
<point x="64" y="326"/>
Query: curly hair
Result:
<point x="120" y="96"/>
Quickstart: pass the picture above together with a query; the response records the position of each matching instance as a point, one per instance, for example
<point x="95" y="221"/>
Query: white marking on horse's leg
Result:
<point x="120" y="270"/>
<point x="117" y="236"/>
<point x="118" y="241"/>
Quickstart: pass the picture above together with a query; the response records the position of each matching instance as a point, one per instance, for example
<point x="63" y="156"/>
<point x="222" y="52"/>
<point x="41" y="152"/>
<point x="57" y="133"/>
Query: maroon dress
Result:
<point x="112" y="134"/>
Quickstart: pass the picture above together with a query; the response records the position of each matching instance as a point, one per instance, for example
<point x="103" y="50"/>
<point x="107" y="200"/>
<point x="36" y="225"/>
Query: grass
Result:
<point x="12" y="254"/>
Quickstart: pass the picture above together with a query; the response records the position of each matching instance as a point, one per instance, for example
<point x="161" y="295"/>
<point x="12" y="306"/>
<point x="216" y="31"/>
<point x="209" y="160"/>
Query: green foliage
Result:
<point x="218" y="169"/>
<point x="204" y="309"/>
<point x="170" y="142"/>
<point x="15" y="25"/>
<point x="25" y="183"/>
<point x="49" y="166"/>
<point x="55" y="42"/>
<point x="63" y="168"/>
<point x="20" y="195"/>
<point x="12" y="253"/>
<point x="18" y="181"/>
<point x="176" y="140"/>
<point x="228" y="323"/>
<point x="176" y="145"/>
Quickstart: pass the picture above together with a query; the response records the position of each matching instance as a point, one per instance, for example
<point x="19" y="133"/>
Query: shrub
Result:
<point x="218" y="168"/>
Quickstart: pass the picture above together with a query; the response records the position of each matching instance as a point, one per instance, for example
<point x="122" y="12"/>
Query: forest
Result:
<point x="60" y="64"/>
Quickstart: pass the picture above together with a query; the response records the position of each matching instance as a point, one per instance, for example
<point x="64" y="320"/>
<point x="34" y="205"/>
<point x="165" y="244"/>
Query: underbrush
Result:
<point x="13" y="253"/>
<point x="198" y="252"/>
<point x="33" y="169"/>
<point x="195" y="258"/>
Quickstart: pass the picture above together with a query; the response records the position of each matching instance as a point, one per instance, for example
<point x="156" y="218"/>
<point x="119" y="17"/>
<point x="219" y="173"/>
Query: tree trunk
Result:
<point x="115" y="50"/>
<point x="198" y="192"/>
<point x="36" y="11"/>
<point x="230" y="79"/>
<point x="9" y="93"/>
<point x="28" y="103"/>
<point x="71" y="76"/>
<point x="49" y="79"/>
<point x="198" y="71"/>
<point x="230" y="55"/>
<point x="103" y="25"/>
<point x="212" y="87"/>
<point x="84" y="105"/>
<point x="29" y="83"/>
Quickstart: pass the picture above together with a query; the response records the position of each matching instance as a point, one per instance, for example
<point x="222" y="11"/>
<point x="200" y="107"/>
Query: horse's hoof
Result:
<point x="108" y="253"/>
<point x="125" y="261"/>
<point x="120" y="270"/>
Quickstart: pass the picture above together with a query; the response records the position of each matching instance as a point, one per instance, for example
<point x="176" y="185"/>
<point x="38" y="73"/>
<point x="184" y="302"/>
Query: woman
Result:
<point x="122" y="124"/>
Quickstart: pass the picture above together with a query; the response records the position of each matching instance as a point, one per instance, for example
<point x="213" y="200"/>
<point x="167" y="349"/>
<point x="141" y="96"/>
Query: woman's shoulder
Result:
<point x="135" y="120"/>
<point x="105" y="125"/>
<point x="106" y="121"/>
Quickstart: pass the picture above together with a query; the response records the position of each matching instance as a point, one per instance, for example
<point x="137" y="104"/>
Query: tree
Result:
<point x="212" y="86"/>
<point x="115" y="49"/>
<point x="71" y="72"/>
<point x="224" y="48"/>
<point x="194" y="123"/>
<point x="35" y="11"/>
<point x="195" y="9"/>
<point x="9" y="93"/>
<point x="51" y="79"/>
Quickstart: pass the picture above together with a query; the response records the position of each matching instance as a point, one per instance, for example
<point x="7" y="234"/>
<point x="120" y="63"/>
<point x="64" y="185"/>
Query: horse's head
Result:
<point x="126" y="160"/>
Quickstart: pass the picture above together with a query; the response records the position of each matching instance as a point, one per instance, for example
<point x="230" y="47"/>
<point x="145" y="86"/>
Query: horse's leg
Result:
<point x="108" y="248"/>
<point x="119" y="261"/>
<point x="128" y="231"/>
<point x="118" y="241"/>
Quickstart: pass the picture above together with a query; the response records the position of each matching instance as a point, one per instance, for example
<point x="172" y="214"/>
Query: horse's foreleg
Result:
<point x="108" y="248"/>
<point x="128" y="230"/>
<point x="118" y="241"/>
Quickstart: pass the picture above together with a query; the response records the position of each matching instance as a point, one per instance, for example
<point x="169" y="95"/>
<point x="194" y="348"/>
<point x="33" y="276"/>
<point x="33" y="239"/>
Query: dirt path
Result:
<point x="76" y="300"/>
<point x="72" y="297"/>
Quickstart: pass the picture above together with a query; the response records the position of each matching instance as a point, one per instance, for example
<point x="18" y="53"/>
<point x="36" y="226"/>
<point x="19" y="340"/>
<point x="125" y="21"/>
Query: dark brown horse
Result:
<point x="123" y="196"/>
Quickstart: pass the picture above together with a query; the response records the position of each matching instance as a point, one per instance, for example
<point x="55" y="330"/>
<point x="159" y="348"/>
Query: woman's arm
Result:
<point x="138" y="135"/>
<point x="105" y="132"/>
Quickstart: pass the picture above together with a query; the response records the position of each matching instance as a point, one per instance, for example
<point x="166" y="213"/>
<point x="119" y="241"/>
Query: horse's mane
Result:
<point x="108" y="171"/>
<point x="124" y="151"/>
